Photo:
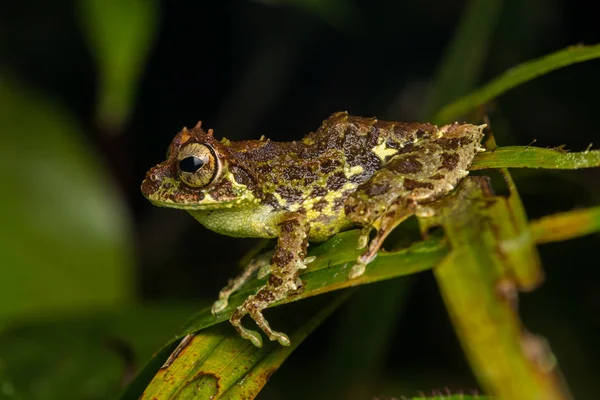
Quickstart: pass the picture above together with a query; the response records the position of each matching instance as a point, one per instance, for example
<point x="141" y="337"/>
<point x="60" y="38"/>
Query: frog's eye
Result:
<point x="198" y="165"/>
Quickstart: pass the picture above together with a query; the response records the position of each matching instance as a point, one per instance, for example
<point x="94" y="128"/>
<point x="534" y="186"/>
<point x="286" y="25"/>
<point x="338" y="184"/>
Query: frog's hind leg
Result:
<point x="288" y="259"/>
<point x="391" y="218"/>
<point x="386" y="200"/>
<point x="257" y="263"/>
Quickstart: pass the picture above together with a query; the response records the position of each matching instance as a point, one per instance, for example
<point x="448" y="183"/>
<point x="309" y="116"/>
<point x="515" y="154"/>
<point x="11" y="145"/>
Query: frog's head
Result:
<point x="198" y="174"/>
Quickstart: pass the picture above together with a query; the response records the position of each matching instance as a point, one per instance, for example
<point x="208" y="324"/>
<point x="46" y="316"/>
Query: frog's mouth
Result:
<point x="169" y="194"/>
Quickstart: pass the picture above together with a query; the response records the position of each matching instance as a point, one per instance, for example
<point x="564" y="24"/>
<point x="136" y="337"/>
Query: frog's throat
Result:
<point x="200" y="206"/>
<point x="257" y="222"/>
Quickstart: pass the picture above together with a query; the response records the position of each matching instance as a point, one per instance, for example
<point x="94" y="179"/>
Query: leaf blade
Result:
<point x="217" y="363"/>
<point x="535" y="157"/>
<point x="515" y="77"/>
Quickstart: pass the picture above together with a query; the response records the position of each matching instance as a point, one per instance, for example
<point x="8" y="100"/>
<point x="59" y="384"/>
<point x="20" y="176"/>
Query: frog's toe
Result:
<point x="253" y="336"/>
<point x="308" y="260"/>
<point x="263" y="271"/>
<point x="282" y="338"/>
<point x="363" y="241"/>
<point x="219" y="306"/>
<point x="357" y="270"/>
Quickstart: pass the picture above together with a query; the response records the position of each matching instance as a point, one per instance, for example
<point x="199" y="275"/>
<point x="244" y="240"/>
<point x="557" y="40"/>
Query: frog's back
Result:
<point x="317" y="174"/>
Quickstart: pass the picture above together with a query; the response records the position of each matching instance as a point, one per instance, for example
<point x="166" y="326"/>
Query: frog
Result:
<point x="352" y="172"/>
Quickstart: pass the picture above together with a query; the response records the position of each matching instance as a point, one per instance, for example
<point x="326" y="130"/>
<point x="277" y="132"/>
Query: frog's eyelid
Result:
<point x="218" y="164"/>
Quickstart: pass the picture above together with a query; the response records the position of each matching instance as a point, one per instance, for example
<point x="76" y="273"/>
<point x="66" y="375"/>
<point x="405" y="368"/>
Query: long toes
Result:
<point x="254" y="337"/>
<point x="219" y="306"/>
<point x="357" y="270"/>
<point x="363" y="241"/>
<point x="282" y="338"/>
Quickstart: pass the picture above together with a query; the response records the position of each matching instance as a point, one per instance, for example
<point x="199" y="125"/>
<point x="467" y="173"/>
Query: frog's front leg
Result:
<point x="288" y="259"/>
<point x="257" y="263"/>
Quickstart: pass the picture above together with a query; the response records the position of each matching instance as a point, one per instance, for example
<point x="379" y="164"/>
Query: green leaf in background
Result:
<point x="463" y="60"/>
<point x="567" y="225"/>
<point x="120" y="34"/>
<point x="338" y="13"/>
<point x="514" y="77"/>
<point x="84" y="356"/>
<point x="65" y="235"/>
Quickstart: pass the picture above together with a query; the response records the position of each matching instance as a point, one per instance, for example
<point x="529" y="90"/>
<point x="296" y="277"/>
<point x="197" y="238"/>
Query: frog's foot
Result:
<point x="385" y="224"/>
<point x="234" y="284"/>
<point x="266" y="270"/>
<point x="254" y="306"/>
<point x="363" y="239"/>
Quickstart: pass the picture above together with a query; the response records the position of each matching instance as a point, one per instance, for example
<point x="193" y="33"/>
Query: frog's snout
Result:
<point x="149" y="186"/>
<point x="154" y="179"/>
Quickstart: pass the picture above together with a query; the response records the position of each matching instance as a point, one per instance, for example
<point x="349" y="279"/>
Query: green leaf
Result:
<point x="515" y="77"/>
<point x="119" y="33"/>
<point x="84" y="356"/>
<point x="218" y="364"/>
<point x="566" y="225"/>
<point x="65" y="233"/>
<point x="535" y="157"/>
<point x="463" y="60"/>
<point x="327" y="273"/>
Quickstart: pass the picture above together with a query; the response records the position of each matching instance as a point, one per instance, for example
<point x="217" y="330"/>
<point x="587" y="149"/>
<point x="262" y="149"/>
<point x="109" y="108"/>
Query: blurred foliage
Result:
<point x="85" y="356"/>
<point x="65" y="236"/>
<point x="517" y="76"/>
<point x="80" y="247"/>
<point x="119" y="33"/>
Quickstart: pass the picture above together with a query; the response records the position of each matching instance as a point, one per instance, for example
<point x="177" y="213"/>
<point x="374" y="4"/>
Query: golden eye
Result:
<point x="198" y="165"/>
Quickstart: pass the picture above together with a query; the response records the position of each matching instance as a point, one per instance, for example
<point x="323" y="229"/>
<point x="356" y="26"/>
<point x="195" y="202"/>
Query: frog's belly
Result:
<point x="255" y="222"/>
<point x="322" y="227"/>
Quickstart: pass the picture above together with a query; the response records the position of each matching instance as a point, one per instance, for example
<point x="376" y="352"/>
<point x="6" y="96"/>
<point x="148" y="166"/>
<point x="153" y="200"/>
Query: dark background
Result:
<point x="276" y="68"/>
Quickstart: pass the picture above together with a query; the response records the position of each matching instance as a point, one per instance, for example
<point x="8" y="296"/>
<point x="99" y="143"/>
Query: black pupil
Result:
<point x="191" y="164"/>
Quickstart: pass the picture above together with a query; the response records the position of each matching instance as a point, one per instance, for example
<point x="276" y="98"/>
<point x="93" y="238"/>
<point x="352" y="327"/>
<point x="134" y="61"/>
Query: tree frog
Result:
<point x="351" y="172"/>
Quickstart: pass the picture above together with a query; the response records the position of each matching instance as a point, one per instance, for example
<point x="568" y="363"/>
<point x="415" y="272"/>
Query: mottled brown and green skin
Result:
<point x="352" y="171"/>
